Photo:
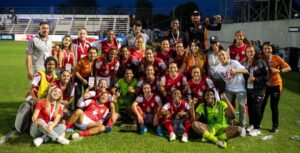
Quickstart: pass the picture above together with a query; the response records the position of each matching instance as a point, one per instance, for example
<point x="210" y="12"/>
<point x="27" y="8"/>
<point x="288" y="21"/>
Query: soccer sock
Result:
<point x="110" y="122"/>
<point x="70" y="126"/>
<point x="169" y="125"/>
<point x="84" y="133"/>
<point x="210" y="136"/>
<point x="187" y="126"/>
<point x="223" y="136"/>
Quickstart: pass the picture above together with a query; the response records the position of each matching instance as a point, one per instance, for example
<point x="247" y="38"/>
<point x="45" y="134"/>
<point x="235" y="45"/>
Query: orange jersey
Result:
<point x="84" y="67"/>
<point x="274" y="77"/>
<point x="192" y="61"/>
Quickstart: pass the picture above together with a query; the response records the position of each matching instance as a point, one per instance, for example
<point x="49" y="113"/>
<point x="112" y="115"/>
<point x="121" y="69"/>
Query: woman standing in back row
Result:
<point x="276" y="66"/>
<point x="256" y="81"/>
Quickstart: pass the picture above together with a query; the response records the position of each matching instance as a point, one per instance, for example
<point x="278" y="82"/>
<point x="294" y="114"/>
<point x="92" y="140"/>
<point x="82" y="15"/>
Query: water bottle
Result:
<point x="298" y="122"/>
<point x="295" y="137"/>
<point x="250" y="84"/>
<point x="267" y="137"/>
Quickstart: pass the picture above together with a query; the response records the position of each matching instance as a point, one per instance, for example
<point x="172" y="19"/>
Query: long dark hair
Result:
<point x="246" y="41"/>
<point x="257" y="55"/>
<point x="274" y="50"/>
<point x="205" y="103"/>
<point x="69" y="86"/>
<point x="62" y="42"/>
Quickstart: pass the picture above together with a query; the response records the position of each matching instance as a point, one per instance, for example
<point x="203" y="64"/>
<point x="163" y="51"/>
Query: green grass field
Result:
<point x="14" y="85"/>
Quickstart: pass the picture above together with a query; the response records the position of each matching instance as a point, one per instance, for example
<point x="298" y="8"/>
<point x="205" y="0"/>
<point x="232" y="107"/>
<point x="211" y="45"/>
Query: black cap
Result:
<point x="214" y="39"/>
<point x="196" y="12"/>
<point x="137" y="22"/>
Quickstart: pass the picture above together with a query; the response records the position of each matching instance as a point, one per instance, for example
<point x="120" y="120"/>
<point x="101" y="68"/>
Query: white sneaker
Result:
<point x="184" y="137"/>
<point x="254" y="132"/>
<point x="63" y="134"/>
<point x="63" y="140"/>
<point x="38" y="141"/>
<point x="76" y="136"/>
<point x="172" y="136"/>
<point x="250" y="128"/>
<point x="243" y="132"/>
<point x="222" y="144"/>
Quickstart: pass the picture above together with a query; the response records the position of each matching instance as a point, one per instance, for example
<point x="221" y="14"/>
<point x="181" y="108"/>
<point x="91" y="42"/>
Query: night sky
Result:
<point x="164" y="6"/>
<point x="207" y="7"/>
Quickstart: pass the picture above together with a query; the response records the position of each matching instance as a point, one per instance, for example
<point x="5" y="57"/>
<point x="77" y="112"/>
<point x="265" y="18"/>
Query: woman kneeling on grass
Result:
<point x="177" y="118"/>
<point x="47" y="114"/>
<point x="91" y="119"/>
<point x="145" y="109"/>
<point x="214" y="111"/>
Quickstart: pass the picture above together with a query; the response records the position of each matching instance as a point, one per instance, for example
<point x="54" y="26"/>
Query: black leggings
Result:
<point x="78" y="90"/>
<point x="254" y="101"/>
<point x="274" y="93"/>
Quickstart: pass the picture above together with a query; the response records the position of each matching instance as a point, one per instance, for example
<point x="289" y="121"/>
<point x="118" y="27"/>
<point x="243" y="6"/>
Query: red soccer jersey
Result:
<point x="148" y="106"/>
<point x="96" y="112"/>
<point x="165" y="57"/>
<point x="68" y="58"/>
<point x="174" y="110"/>
<point x="44" y="114"/>
<point x="196" y="89"/>
<point x="137" y="54"/>
<point x="105" y="47"/>
<point x="105" y="69"/>
<point x="238" y="53"/>
<point x="131" y="63"/>
<point x="177" y="82"/>
<point x="158" y="64"/>
<point x="153" y="84"/>
<point x="65" y="96"/>
<point x="178" y="60"/>
<point x="81" y="48"/>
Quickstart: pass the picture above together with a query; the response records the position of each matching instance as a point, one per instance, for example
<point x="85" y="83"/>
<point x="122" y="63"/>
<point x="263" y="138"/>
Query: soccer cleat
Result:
<point x="70" y="130"/>
<point x="63" y="140"/>
<point x="108" y="128"/>
<point x="274" y="130"/>
<point x="250" y="128"/>
<point x="143" y="129"/>
<point x="159" y="131"/>
<point x="222" y="144"/>
<point x="76" y="136"/>
<point x="254" y="132"/>
<point x="172" y="136"/>
<point x="184" y="137"/>
<point x="38" y="141"/>
<point x="243" y="132"/>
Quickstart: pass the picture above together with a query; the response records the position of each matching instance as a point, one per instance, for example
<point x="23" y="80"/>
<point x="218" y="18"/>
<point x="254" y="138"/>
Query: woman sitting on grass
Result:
<point x="96" y="93"/>
<point x="47" y="114"/>
<point x="176" y="114"/>
<point x="145" y="109"/>
<point x="91" y="119"/>
<point x="214" y="128"/>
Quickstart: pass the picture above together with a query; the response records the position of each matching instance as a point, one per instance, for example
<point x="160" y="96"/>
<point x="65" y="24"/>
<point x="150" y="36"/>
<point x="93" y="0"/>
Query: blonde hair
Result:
<point x="58" y="102"/>
<point x="141" y="37"/>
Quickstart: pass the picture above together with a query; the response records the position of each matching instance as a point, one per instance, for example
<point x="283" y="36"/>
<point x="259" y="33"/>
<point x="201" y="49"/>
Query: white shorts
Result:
<point x="85" y="122"/>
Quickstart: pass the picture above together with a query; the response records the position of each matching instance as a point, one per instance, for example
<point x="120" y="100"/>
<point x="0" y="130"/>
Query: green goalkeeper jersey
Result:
<point x="215" y="114"/>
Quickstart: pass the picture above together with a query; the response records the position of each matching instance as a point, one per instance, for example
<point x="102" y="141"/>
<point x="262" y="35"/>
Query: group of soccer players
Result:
<point x="174" y="86"/>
